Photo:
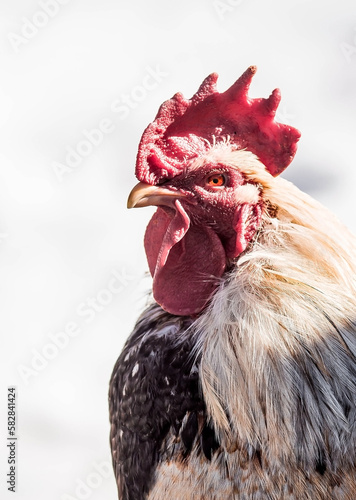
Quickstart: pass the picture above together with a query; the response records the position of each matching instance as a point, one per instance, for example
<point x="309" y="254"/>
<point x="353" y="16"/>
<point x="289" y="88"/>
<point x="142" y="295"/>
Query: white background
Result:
<point x="62" y="236"/>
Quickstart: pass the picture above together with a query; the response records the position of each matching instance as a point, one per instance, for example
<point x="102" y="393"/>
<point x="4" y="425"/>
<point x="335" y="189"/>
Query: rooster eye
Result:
<point x="216" y="180"/>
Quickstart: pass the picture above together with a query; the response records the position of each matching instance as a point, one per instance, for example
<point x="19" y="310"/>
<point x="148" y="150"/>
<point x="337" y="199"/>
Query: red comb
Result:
<point x="183" y="129"/>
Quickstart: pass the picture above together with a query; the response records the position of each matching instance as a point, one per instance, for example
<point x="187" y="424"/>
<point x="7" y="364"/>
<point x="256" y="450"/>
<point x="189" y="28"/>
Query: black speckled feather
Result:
<point x="154" y="386"/>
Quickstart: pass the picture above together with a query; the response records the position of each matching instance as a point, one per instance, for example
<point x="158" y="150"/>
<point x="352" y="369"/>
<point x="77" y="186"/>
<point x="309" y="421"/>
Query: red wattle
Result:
<point x="186" y="262"/>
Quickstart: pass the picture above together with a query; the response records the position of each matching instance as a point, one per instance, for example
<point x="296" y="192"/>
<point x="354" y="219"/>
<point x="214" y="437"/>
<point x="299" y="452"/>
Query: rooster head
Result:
<point x="194" y="163"/>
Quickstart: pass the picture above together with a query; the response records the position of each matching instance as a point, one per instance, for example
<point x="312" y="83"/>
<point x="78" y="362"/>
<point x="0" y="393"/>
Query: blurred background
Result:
<point x="80" y="80"/>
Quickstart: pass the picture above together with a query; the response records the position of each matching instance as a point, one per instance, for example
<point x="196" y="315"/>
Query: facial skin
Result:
<point x="217" y="196"/>
<point x="214" y="195"/>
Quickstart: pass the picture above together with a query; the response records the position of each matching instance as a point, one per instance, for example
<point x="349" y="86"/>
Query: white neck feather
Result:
<point x="278" y="341"/>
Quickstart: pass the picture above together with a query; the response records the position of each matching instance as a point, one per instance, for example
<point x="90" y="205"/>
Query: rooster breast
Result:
<point x="156" y="411"/>
<point x="163" y="446"/>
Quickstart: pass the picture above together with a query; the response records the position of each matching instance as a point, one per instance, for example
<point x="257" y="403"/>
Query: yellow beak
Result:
<point x="144" y="195"/>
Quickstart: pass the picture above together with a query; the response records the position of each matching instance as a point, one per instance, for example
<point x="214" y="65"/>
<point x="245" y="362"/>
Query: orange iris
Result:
<point x="216" y="180"/>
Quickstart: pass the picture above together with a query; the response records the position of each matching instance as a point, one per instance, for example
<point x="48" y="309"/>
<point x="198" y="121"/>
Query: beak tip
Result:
<point x="132" y="200"/>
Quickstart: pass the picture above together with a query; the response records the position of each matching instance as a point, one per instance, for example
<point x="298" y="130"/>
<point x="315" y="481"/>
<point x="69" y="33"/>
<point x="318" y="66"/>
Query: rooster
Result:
<point x="239" y="380"/>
